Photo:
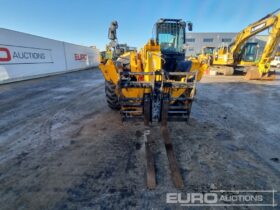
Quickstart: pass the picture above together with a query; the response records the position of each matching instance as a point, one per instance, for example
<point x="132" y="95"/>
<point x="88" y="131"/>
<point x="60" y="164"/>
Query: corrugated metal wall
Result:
<point x="25" y="56"/>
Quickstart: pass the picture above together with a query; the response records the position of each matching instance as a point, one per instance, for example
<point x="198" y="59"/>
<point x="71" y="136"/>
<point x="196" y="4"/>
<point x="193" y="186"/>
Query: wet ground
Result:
<point x="61" y="147"/>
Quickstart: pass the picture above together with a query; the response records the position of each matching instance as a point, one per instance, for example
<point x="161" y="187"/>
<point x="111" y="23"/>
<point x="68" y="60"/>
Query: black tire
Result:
<point x="111" y="96"/>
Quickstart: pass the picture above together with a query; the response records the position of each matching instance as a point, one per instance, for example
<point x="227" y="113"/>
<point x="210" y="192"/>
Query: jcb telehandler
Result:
<point x="155" y="83"/>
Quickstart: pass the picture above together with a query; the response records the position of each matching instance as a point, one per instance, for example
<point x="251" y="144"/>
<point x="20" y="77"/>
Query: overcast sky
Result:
<point x="86" y="22"/>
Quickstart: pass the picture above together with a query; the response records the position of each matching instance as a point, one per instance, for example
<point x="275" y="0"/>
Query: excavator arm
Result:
<point x="262" y="70"/>
<point x="253" y="29"/>
<point x="270" y="47"/>
<point x="230" y="57"/>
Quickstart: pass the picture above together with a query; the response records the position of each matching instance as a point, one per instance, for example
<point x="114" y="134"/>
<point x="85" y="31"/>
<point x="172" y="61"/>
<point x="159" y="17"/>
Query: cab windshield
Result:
<point x="250" y="52"/>
<point x="209" y="50"/>
<point x="170" y="37"/>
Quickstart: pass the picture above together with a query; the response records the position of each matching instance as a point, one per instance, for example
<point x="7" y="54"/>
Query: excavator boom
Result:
<point x="251" y="30"/>
<point x="262" y="70"/>
<point x="232" y="56"/>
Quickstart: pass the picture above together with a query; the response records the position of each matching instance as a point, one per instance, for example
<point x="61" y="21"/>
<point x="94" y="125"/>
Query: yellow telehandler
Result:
<point x="142" y="83"/>
<point x="156" y="84"/>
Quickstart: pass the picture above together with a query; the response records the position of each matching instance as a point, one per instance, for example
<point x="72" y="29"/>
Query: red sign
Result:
<point x="7" y="55"/>
<point x="80" y="57"/>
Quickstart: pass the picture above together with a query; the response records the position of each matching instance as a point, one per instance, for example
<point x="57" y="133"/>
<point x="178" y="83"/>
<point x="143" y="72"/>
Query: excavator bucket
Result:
<point x="269" y="76"/>
<point x="254" y="74"/>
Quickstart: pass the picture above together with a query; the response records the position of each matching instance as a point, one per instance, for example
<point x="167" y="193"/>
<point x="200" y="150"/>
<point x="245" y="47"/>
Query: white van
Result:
<point x="276" y="62"/>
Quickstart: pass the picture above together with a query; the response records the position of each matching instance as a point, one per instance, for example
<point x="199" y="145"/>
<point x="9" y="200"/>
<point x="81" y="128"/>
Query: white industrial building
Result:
<point x="195" y="41"/>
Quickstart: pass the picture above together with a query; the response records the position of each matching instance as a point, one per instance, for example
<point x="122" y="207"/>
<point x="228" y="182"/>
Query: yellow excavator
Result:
<point x="206" y="54"/>
<point x="240" y="54"/>
<point x="156" y="84"/>
<point x="247" y="57"/>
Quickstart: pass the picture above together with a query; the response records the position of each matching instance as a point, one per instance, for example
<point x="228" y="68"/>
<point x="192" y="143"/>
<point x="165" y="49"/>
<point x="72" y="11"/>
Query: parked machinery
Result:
<point x="114" y="49"/>
<point x="206" y="54"/>
<point x="240" y="54"/>
<point x="276" y="61"/>
<point x="140" y="83"/>
<point x="156" y="84"/>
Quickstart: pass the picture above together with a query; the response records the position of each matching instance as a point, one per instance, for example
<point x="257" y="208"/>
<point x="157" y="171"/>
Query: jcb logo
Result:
<point x="5" y="55"/>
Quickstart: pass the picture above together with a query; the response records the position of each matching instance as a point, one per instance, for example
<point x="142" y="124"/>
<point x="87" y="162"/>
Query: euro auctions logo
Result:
<point x="5" y="55"/>
<point x="252" y="198"/>
<point x="10" y="54"/>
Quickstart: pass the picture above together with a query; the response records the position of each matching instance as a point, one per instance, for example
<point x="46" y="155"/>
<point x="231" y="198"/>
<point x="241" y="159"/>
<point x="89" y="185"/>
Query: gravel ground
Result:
<point x="61" y="147"/>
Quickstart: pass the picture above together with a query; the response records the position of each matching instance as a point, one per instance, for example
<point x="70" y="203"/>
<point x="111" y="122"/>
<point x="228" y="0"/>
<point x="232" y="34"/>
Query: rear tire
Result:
<point x="111" y="96"/>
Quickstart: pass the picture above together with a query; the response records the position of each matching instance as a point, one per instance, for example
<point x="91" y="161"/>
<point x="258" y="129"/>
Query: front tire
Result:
<point x="111" y="96"/>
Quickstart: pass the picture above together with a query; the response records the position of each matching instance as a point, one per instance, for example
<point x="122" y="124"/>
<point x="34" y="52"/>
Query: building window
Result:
<point x="207" y="40"/>
<point x="190" y="40"/>
<point x="191" y="49"/>
<point x="226" y="40"/>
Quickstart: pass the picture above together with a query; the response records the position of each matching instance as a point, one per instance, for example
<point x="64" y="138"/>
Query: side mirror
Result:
<point x="190" y="26"/>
